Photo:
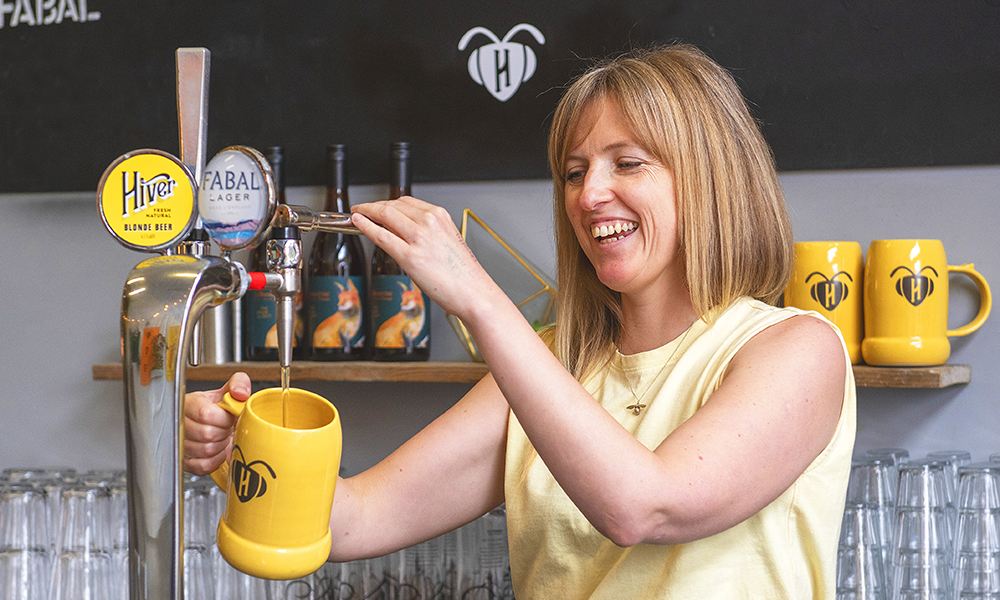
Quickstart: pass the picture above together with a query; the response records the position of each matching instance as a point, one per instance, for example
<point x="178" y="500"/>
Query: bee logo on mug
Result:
<point x="914" y="287"/>
<point x="829" y="292"/>
<point x="247" y="482"/>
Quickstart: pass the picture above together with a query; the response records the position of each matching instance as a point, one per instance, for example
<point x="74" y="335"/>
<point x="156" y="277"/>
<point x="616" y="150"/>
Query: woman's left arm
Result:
<point x="776" y="409"/>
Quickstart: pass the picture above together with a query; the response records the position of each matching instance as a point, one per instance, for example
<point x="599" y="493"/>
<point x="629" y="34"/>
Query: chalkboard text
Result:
<point x="45" y="12"/>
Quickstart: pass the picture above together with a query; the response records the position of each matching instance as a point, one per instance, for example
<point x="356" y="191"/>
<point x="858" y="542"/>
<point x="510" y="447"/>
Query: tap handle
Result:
<point x="192" y="107"/>
<point x="307" y="219"/>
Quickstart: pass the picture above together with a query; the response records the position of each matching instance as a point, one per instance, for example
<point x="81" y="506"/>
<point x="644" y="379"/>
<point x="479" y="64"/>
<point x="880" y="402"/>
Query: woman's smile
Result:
<point x="619" y="230"/>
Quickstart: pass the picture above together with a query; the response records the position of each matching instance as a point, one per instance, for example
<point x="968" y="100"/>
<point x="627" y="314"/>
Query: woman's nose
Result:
<point x="596" y="190"/>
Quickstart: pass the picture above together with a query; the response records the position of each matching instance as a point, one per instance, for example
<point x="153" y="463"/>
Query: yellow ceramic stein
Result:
<point x="906" y="303"/>
<point x="280" y="484"/>
<point x="827" y="277"/>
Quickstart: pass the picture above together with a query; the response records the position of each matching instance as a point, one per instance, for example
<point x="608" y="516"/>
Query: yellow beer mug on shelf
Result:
<point x="827" y="277"/>
<point x="906" y="303"/>
<point x="280" y="484"/>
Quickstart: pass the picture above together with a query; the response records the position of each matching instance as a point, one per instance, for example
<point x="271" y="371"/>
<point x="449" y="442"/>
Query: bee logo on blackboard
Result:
<point x="914" y="287"/>
<point x="829" y="292"/>
<point x="247" y="481"/>
<point x="500" y="67"/>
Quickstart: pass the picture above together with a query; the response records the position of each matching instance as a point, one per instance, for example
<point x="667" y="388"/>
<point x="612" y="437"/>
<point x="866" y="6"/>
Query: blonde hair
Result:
<point x="734" y="231"/>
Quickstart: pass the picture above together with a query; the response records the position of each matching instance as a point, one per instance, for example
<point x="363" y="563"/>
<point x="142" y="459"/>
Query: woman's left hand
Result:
<point x="425" y="242"/>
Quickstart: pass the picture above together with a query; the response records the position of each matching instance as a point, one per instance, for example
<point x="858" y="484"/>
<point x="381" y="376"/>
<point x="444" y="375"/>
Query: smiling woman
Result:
<point x="681" y="112"/>
<point x="673" y="434"/>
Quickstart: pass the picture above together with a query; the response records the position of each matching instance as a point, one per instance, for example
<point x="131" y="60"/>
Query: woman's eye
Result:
<point x="629" y="164"/>
<point x="574" y="177"/>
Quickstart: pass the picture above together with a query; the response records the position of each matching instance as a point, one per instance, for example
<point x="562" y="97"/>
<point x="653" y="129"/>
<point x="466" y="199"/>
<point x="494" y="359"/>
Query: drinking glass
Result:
<point x="118" y="524"/>
<point x="246" y="587"/>
<point x="381" y="577"/>
<point x="102" y="477"/>
<point x="484" y="561"/>
<point x="295" y="589"/>
<point x="83" y="565"/>
<point x="22" y="474"/>
<point x="898" y="455"/>
<point x="199" y="535"/>
<point x="928" y="483"/>
<point x="332" y="582"/>
<point x="25" y="555"/>
<point x="955" y="459"/>
<point x="50" y="479"/>
<point x="860" y="570"/>
<point x="873" y="482"/>
<point x="977" y="543"/>
<point x="921" y="545"/>
<point x="353" y="575"/>
<point x="423" y="572"/>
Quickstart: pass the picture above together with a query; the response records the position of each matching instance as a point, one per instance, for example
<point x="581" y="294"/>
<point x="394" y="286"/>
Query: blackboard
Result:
<point x="836" y="84"/>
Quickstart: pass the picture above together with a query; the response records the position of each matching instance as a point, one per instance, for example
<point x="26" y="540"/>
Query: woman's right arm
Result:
<point x="448" y="474"/>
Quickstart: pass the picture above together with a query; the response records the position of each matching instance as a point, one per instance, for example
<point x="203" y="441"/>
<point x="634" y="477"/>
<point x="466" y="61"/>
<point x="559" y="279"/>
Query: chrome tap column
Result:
<point x="150" y="201"/>
<point x="163" y="298"/>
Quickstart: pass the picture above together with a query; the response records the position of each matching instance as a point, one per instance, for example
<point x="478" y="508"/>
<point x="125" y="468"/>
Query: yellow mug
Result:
<point x="827" y="277"/>
<point x="906" y="303"/>
<point x="280" y="484"/>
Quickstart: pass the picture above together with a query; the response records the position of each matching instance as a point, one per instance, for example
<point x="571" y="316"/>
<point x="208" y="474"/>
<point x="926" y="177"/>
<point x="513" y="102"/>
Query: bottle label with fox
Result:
<point x="399" y="313"/>
<point x="335" y="312"/>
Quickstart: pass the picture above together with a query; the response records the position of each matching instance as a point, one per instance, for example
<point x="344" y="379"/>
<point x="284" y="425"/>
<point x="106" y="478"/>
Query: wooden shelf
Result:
<point x="471" y="372"/>
<point x="434" y="372"/>
<point x="912" y="377"/>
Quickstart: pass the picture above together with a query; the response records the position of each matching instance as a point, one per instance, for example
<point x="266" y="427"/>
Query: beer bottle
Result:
<point x="336" y="318"/>
<point x="400" y="312"/>
<point x="260" y="331"/>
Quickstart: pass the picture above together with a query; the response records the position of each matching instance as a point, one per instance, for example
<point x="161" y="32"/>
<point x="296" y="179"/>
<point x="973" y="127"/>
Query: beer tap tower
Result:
<point x="150" y="201"/>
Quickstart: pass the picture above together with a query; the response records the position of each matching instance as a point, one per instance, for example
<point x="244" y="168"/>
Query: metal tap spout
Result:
<point x="284" y="280"/>
<point x="284" y="258"/>
<point x="162" y="300"/>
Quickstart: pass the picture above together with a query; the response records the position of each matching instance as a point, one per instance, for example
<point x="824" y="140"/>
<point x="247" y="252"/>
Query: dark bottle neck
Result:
<point x="399" y="178"/>
<point x="336" y="179"/>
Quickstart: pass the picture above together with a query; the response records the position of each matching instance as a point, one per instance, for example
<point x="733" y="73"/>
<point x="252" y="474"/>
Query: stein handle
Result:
<point x="985" y="300"/>
<point x="235" y="407"/>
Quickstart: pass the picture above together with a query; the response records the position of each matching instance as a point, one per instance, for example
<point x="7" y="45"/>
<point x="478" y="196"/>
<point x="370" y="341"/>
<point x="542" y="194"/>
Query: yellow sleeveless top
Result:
<point x="787" y="550"/>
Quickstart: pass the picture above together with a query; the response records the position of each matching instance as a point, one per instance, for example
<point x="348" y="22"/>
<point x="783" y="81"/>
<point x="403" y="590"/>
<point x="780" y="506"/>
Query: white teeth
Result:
<point x="604" y="231"/>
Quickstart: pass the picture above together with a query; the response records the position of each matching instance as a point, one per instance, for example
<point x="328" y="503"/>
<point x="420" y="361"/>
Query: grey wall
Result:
<point x="63" y="276"/>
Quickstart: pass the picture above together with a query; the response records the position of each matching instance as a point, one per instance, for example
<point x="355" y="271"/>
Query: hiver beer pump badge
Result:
<point x="146" y="199"/>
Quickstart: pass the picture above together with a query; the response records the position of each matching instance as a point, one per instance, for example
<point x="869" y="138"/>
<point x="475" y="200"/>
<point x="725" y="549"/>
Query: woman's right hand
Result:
<point x="208" y="429"/>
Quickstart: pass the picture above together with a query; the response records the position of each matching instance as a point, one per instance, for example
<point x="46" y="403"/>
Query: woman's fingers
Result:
<point x="198" y="464"/>
<point x="238" y="386"/>
<point x="208" y="428"/>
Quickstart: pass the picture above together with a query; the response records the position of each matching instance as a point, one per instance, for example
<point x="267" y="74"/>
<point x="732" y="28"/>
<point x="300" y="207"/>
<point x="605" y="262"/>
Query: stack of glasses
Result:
<point x="64" y="536"/>
<point x="924" y="529"/>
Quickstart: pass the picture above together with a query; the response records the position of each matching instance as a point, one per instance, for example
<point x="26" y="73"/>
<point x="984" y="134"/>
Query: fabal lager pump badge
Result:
<point x="237" y="197"/>
<point x="146" y="199"/>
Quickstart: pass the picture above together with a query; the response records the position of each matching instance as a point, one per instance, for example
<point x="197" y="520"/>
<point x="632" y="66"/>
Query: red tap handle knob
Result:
<point x="257" y="280"/>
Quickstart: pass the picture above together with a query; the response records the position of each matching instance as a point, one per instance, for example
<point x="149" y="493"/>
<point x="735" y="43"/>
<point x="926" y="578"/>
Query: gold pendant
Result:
<point x="635" y="408"/>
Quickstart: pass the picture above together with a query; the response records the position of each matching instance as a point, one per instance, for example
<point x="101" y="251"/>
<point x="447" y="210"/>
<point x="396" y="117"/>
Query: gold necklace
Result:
<point x="637" y="407"/>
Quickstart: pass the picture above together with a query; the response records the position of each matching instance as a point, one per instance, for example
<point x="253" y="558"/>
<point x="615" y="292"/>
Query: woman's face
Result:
<point x="620" y="200"/>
